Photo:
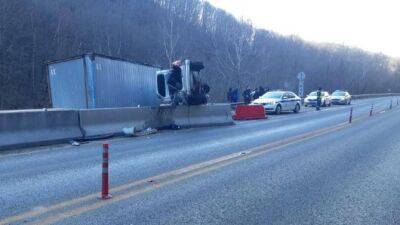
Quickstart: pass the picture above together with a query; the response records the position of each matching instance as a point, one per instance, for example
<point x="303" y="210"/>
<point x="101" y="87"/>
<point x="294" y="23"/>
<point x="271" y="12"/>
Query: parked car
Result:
<point x="341" y="98"/>
<point x="311" y="99"/>
<point x="279" y="101"/>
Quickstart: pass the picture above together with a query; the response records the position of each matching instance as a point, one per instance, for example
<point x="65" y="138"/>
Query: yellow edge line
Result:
<point x="257" y="152"/>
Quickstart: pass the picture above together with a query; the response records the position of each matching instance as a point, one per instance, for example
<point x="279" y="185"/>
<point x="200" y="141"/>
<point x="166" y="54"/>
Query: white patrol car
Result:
<point x="279" y="101"/>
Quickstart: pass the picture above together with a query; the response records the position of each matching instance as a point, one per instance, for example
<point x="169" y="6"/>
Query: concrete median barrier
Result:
<point x="210" y="115"/>
<point x="178" y="116"/>
<point x="111" y="121"/>
<point x="97" y="122"/>
<point x="37" y="127"/>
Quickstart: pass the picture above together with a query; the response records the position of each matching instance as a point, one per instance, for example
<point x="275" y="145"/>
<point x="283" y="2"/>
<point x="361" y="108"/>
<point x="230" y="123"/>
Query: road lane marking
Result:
<point x="120" y="188"/>
<point x="251" y="153"/>
<point x="191" y="171"/>
<point x="167" y="178"/>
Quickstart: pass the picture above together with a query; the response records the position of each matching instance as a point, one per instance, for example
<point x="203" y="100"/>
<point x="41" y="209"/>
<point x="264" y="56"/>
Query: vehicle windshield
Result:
<point x="313" y="93"/>
<point x="276" y="95"/>
<point x="339" y="93"/>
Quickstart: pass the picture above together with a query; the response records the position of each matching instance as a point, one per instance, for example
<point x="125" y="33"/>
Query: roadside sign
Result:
<point x="301" y="77"/>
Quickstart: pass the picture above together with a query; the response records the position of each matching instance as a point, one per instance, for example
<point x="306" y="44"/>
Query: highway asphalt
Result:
<point x="311" y="175"/>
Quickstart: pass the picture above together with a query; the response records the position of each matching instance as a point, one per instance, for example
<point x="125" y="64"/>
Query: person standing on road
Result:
<point x="256" y="94"/>
<point x="229" y="95"/>
<point x="247" y="96"/>
<point x="235" y="95"/>
<point x="261" y="90"/>
<point x="319" y="98"/>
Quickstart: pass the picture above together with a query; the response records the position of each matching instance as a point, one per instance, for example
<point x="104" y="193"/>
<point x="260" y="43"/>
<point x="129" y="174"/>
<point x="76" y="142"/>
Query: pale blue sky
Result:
<point x="373" y="25"/>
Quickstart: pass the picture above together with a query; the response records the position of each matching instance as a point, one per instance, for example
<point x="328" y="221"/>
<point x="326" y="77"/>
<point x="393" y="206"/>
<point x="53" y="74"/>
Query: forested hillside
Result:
<point x="159" y="31"/>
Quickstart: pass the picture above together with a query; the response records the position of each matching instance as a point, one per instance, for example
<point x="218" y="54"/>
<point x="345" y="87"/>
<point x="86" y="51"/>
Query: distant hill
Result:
<point x="159" y="31"/>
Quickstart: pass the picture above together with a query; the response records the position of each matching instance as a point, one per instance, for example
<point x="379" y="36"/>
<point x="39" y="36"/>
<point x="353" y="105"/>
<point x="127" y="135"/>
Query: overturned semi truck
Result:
<point x="92" y="81"/>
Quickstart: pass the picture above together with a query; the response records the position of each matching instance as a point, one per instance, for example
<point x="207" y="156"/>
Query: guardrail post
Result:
<point x="372" y="110"/>
<point x="351" y="115"/>
<point x="104" y="187"/>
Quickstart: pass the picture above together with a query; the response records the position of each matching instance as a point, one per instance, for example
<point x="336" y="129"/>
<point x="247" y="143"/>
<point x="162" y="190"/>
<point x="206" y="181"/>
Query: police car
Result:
<point x="279" y="101"/>
<point x="341" y="97"/>
<point x="311" y="99"/>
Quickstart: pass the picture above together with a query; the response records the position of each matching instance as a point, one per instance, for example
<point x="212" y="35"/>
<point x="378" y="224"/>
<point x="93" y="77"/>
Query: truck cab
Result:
<point x="191" y="85"/>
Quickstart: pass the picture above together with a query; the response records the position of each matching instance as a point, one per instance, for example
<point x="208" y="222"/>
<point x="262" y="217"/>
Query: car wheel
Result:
<point x="297" y="108"/>
<point x="278" y="110"/>
<point x="323" y="105"/>
<point x="349" y="102"/>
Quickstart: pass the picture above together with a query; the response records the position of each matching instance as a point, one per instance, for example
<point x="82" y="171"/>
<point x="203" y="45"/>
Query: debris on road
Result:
<point x="133" y="132"/>
<point x="148" y="131"/>
<point x="129" y="131"/>
<point x="175" y="127"/>
<point x="74" y="143"/>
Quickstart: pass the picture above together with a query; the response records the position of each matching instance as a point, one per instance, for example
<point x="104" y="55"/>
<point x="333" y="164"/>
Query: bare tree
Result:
<point x="178" y="17"/>
<point x="233" y="44"/>
<point x="160" y="31"/>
